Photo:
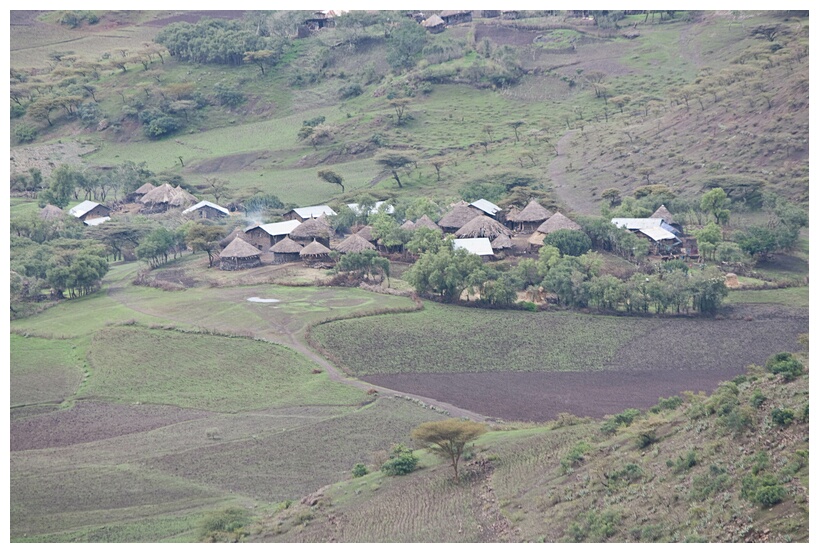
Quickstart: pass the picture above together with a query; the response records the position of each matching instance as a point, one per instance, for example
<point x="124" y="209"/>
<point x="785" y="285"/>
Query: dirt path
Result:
<point x="280" y="334"/>
<point x="566" y="193"/>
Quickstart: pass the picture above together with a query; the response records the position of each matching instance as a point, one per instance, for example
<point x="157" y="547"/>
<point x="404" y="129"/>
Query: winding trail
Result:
<point x="278" y="333"/>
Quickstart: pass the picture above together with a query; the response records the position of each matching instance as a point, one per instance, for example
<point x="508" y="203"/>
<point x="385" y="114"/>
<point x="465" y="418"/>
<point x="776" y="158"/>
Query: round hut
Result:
<point x="458" y="216"/>
<point x="239" y="255"/>
<point x="662" y="213"/>
<point x="558" y="221"/>
<point x="315" y="252"/>
<point x="408" y="225"/>
<point x="50" y="212"/>
<point x="502" y="242"/>
<point x="530" y="217"/>
<point x="425" y="222"/>
<point x="482" y="227"/>
<point x="229" y="238"/>
<point x="285" y="251"/>
<point x="354" y="244"/>
<point x="165" y="197"/>
<point x="140" y="192"/>
<point x="366" y="233"/>
<point x="312" y="230"/>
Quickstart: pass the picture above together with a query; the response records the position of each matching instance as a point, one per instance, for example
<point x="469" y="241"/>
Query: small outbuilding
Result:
<point x="285" y="251"/>
<point x="89" y="210"/>
<point x="366" y="233"/>
<point x="425" y="222"/>
<point x="478" y="246"/>
<point x="487" y="207"/>
<point x="458" y="216"/>
<point x="482" y="226"/>
<point x="558" y="221"/>
<point x="502" y="242"/>
<point x="354" y="244"/>
<point x="310" y="212"/>
<point x="530" y="217"/>
<point x="229" y="238"/>
<point x="264" y="236"/>
<point x="315" y="252"/>
<point x="239" y="255"/>
<point x="165" y="197"/>
<point x="206" y="210"/>
<point x="50" y="212"/>
<point x="137" y="194"/>
<point x="407" y="225"/>
<point x="453" y="17"/>
<point x="434" y="24"/>
<point x="310" y="230"/>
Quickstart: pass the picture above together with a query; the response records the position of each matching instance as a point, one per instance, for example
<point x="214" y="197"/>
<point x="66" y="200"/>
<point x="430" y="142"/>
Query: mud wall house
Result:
<point x="530" y="217"/>
<point x="482" y="227"/>
<point x="312" y="230"/>
<point x="165" y="197"/>
<point x="558" y="221"/>
<point x="662" y="236"/>
<point x="137" y="194"/>
<point x="434" y="24"/>
<point x="477" y="246"/>
<point x="453" y="17"/>
<point x="239" y="255"/>
<point x="265" y="236"/>
<point x="354" y="244"/>
<point x="206" y="210"/>
<point x="89" y="210"/>
<point x="286" y="251"/>
<point x="301" y="214"/>
<point x="489" y="14"/>
<point x="315" y="253"/>
<point x="460" y="214"/>
<point x="510" y="14"/>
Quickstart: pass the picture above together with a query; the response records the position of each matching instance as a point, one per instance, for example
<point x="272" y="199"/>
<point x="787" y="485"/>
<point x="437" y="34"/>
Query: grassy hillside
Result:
<point x="678" y="101"/>
<point x="696" y="468"/>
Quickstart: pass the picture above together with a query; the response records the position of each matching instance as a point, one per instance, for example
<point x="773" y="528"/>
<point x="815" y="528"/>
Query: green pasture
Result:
<point x="207" y="372"/>
<point x="459" y="339"/>
<point x="791" y="297"/>
<point x="44" y="370"/>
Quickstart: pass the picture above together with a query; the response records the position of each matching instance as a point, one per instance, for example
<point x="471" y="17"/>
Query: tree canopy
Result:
<point x="449" y="437"/>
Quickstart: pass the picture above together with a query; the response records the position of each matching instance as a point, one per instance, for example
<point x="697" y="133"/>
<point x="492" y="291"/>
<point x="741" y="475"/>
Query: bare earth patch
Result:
<point x="47" y="157"/>
<point x="89" y="421"/>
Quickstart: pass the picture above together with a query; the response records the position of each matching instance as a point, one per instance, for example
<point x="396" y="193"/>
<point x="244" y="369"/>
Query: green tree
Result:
<point x="569" y="242"/>
<point x="204" y="238"/>
<point x="332" y="177"/>
<point x="405" y="44"/>
<point x="445" y="272"/>
<point x="448" y="438"/>
<point x="716" y="203"/>
<point x="395" y="161"/>
<point x="64" y="180"/>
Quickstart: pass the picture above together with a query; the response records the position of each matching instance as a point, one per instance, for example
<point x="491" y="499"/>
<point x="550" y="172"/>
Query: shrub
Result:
<point x="17" y="111"/>
<point x="667" y="404"/>
<point x="402" y="461"/>
<point x="575" y="456"/>
<point x="770" y="495"/>
<point x="645" y="439"/>
<point x="25" y="133"/>
<point x="529" y="306"/>
<point x="228" y="94"/>
<point x="737" y="420"/>
<point x="359" y="470"/>
<point x="624" y="418"/>
<point x="225" y="525"/>
<point x="162" y="126"/>
<point x="597" y="526"/>
<point x="350" y="91"/>
<point x="683" y="463"/>
<point x="757" y="399"/>
<point x="569" y="242"/>
<point x="629" y="473"/>
<point x="782" y="417"/>
<point x="706" y="485"/>
<point x="785" y="364"/>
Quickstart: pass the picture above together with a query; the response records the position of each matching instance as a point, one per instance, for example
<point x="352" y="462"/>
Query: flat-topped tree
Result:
<point x="395" y="161"/>
<point x="448" y="438"/>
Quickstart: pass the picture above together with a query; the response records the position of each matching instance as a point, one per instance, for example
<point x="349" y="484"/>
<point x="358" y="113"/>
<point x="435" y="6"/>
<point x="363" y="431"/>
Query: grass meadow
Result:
<point x="43" y="371"/>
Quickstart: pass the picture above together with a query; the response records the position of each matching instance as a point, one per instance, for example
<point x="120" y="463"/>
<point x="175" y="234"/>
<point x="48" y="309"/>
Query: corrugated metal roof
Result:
<point x="389" y="209"/>
<point x="636" y="223"/>
<point x="81" y="209"/>
<point x="486" y="206"/>
<point x="478" y="246"/>
<point x="276" y="229"/>
<point x="658" y="234"/>
<point x="204" y="203"/>
<point x="313" y="211"/>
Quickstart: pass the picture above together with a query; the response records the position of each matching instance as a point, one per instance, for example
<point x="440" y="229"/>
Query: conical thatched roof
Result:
<point x="536" y="239"/>
<point x="425" y="222"/>
<point x="532" y="213"/>
<point x="408" y="225"/>
<point x="432" y="21"/>
<point x="354" y="244"/>
<point x="558" y="221"/>
<point x="482" y="227"/>
<point x="239" y="249"/>
<point x="51" y="212"/>
<point x="229" y="238"/>
<point x="459" y="215"/>
<point x="314" y="249"/>
<point x="182" y="198"/>
<point x="502" y="242"/>
<point x="366" y="233"/>
<point x="663" y="213"/>
<point x="144" y="189"/>
<point x="311" y="228"/>
<point x="286" y="245"/>
<point x="511" y="213"/>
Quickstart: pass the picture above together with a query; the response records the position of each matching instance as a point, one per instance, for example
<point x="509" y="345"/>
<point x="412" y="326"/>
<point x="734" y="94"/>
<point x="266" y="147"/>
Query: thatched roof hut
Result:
<point x="50" y="212"/>
<point x="408" y="225"/>
<point x="482" y="227"/>
<point x="239" y="255"/>
<point x="315" y="251"/>
<point x="312" y="229"/>
<point x="530" y="217"/>
<point x="165" y="197"/>
<point x="458" y="216"/>
<point x="502" y="242"/>
<point x="425" y="222"/>
<point x="536" y="239"/>
<point x="558" y="221"/>
<point x="140" y="192"/>
<point x="354" y="244"/>
<point x="285" y="251"/>
<point x="366" y="233"/>
<point x="230" y="237"/>
<point x="663" y="213"/>
<point x="433" y="24"/>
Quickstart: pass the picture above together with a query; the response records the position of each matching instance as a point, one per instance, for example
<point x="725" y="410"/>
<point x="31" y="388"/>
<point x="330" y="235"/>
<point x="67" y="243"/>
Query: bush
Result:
<point x="785" y="364"/>
<point x="645" y="439"/>
<point x="25" y="133"/>
<point x="757" y="399"/>
<point x="782" y="417"/>
<point x="162" y="126"/>
<point x="575" y="457"/>
<point x="596" y="526"/>
<point x="706" y="485"/>
<point x="228" y="94"/>
<point x="569" y="242"/>
<point x="738" y="420"/>
<point x="350" y="91"/>
<point x="402" y="461"/>
<point x="17" y="111"/>
<point x="667" y="404"/>
<point x="683" y="463"/>
<point x="359" y="470"/>
<point x="770" y="495"/>
<point x="225" y="525"/>
<point x="624" y="418"/>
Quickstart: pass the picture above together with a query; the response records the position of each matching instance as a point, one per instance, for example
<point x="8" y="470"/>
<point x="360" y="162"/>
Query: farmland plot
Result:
<point x="43" y="370"/>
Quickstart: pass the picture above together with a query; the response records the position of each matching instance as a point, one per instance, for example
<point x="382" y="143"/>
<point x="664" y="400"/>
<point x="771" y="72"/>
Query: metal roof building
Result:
<point x="478" y="246"/>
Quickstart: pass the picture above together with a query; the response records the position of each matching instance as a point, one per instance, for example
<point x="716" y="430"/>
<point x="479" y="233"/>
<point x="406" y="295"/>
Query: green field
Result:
<point x="459" y="339"/>
<point x="43" y="370"/>
<point x="792" y="297"/>
<point x="208" y="372"/>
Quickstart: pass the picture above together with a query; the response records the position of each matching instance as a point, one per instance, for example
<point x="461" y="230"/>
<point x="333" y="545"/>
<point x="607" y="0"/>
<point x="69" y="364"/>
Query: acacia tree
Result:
<point x="394" y="162"/>
<point x="204" y="238"/>
<point x="448" y="438"/>
<point x="332" y="177"/>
